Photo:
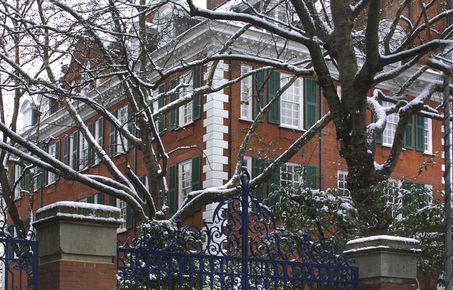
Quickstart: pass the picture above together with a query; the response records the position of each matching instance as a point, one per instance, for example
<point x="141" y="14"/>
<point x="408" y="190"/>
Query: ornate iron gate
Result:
<point x="19" y="263"/>
<point x="227" y="255"/>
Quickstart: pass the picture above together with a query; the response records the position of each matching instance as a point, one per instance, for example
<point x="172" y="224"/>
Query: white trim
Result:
<point x="428" y="135"/>
<point x="184" y="172"/>
<point x="296" y="91"/>
<point x="342" y="182"/>
<point x="246" y="94"/>
<point x="51" y="177"/>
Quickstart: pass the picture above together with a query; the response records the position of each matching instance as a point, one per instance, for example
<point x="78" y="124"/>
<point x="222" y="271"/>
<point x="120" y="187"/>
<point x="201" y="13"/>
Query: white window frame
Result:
<point x="97" y="129"/>
<point x="122" y="116"/>
<point x="51" y="177"/>
<point x="83" y="152"/>
<point x="185" y="114"/>
<point x="17" y="174"/>
<point x="246" y="93"/>
<point x="428" y="136"/>
<point x="296" y="177"/>
<point x="184" y="180"/>
<point x="71" y="149"/>
<point x="388" y="134"/>
<point x="342" y="183"/>
<point x="296" y="88"/>
<point x="122" y="205"/>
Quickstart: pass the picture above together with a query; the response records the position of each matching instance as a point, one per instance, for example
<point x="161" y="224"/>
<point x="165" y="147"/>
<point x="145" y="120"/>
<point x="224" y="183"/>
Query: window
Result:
<point x="74" y="150"/>
<point x="17" y="174"/>
<point x="291" y="103"/>
<point x="185" y="180"/>
<point x="246" y="94"/>
<point x="84" y="158"/>
<point x="99" y="136"/>
<point x="427" y="137"/>
<point x="185" y="111"/>
<point x="388" y="134"/>
<point x="51" y="177"/>
<point x="121" y="143"/>
<point x="122" y="205"/>
<point x="291" y="174"/>
<point x="342" y="183"/>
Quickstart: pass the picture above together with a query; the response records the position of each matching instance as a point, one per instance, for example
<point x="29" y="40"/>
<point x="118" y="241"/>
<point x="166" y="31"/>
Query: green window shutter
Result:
<point x="90" y="199"/>
<point x="75" y="152"/>
<point x="274" y="184"/>
<point x="12" y="176"/>
<point x="57" y="156"/>
<point x="257" y="168"/>
<point x="258" y="92"/>
<point x="39" y="180"/>
<point x="196" y="173"/>
<point x="310" y="176"/>
<point x="90" y="147"/>
<point x="100" y="197"/>
<point x="112" y="201"/>
<point x="419" y="133"/>
<point x="174" y="112"/>
<point x="129" y="217"/>
<point x="172" y="189"/>
<point x="66" y="150"/>
<point x="112" y="136"/>
<point x="161" y="103"/>
<point x="197" y="82"/>
<point x="408" y="135"/>
<point x="101" y="133"/>
<point x="310" y="102"/>
<point x="274" y="86"/>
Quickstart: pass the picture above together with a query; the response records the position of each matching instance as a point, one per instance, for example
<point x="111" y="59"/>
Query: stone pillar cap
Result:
<point x="382" y="242"/>
<point x="80" y="212"/>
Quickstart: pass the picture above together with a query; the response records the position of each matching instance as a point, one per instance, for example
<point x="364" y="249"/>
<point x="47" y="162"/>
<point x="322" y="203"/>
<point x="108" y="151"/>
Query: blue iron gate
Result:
<point x="240" y="248"/>
<point x="19" y="263"/>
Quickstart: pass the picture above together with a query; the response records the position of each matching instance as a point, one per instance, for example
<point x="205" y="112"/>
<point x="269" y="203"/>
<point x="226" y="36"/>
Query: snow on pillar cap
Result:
<point x="80" y="212"/>
<point x="383" y="242"/>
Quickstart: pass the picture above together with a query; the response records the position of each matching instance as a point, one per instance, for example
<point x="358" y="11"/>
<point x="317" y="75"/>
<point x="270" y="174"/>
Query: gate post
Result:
<point x="77" y="246"/>
<point x="385" y="262"/>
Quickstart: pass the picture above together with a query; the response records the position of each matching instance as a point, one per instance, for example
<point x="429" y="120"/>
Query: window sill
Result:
<point x="289" y="127"/>
<point x="121" y="230"/>
<point x="246" y="120"/>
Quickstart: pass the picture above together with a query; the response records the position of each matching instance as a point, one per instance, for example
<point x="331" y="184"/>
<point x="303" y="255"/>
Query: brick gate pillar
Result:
<point x="385" y="262"/>
<point x="77" y="246"/>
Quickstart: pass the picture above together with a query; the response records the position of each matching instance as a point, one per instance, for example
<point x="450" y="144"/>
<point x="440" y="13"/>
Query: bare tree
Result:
<point x="123" y="49"/>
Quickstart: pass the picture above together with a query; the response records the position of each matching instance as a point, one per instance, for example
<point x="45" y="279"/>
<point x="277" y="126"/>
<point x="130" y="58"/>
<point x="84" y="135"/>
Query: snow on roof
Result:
<point x="73" y="204"/>
<point x="383" y="237"/>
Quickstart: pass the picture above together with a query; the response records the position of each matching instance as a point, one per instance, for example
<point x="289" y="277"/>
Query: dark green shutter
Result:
<point x="196" y="173"/>
<point x="419" y="133"/>
<point x="172" y="189"/>
<point x="310" y="177"/>
<point x="75" y="150"/>
<point x="112" y="136"/>
<point x="311" y="102"/>
<point x="112" y="201"/>
<point x="57" y="156"/>
<point x="129" y="217"/>
<point x="90" y="199"/>
<point x="39" y="179"/>
<point x="258" y="92"/>
<point x="274" y="184"/>
<point x="257" y="168"/>
<point x="408" y="135"/>
<point x="274" y="86"/>
<point x="101" y="133"/>
<point x="174" y="112"/>
<point x="100" y="197"/>
<point x="197" y="82"/>
<point x="161" y="103"/>
<point x="90" y="147"/>
<point x="66" y="150"/>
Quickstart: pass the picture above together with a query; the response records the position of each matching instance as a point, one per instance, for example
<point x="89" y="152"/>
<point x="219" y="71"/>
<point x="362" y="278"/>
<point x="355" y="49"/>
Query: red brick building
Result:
<point x="212" y="126"/>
